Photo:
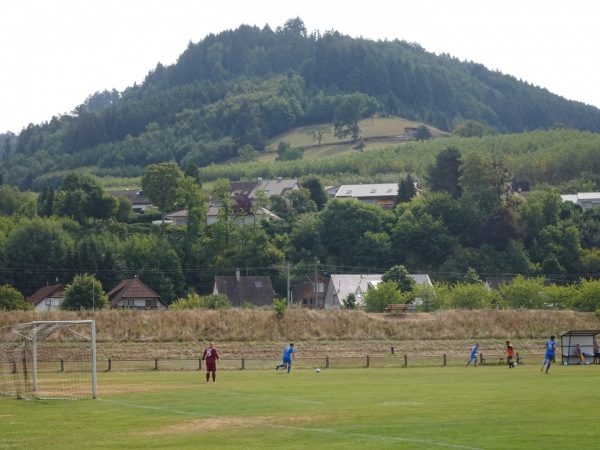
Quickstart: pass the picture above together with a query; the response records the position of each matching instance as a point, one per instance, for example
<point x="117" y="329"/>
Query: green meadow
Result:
<point x="488" y="407"/>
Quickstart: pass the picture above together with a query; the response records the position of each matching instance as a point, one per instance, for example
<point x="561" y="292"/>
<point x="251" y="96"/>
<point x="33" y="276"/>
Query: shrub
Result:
<point x="280" y="306"/>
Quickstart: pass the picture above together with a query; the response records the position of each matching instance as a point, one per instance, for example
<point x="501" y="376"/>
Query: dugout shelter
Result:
<point x="585" y="339"/>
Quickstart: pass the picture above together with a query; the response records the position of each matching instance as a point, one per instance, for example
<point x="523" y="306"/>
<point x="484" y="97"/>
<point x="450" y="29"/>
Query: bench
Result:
<point x="397" y="307"/>
<point x="501" y="358"/>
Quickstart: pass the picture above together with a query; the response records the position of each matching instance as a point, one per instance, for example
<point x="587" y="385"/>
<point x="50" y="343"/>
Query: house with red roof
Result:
<point x="133" y="294"/>
<point x="47" y="298"/>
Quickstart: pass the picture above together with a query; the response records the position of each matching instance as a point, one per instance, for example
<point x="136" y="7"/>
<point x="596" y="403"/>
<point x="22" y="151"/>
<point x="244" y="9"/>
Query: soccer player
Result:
<point x="510" y="354"/>
<point x="211" y="356"/>
<point x="549" y="357"/>
<point x="288" y="354"/>
<point x="473" y="356"/>
<point x="579" y="354"/>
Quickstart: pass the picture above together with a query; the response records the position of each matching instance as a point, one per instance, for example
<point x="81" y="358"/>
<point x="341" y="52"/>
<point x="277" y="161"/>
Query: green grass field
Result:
<point x="489" y="407"/>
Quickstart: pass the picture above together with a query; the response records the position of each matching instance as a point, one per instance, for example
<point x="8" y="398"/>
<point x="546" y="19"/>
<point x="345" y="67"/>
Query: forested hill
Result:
<point x="240" y="88"/>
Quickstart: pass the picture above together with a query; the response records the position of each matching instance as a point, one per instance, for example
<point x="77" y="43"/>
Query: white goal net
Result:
<point x="48" y="360"/>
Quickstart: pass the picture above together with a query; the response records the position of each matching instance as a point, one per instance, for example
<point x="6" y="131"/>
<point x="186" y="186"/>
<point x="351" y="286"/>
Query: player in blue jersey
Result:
<point x="288" y="354"/>
<point x="473" y="356"/>
<point x="550" y="355"/>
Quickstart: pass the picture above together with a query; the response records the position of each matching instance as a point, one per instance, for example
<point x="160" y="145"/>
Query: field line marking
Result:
<point x="288" y="427"/>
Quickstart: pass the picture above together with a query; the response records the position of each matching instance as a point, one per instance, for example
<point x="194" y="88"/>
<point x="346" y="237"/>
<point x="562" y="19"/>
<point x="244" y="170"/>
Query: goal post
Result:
<point x="49" y="360"/>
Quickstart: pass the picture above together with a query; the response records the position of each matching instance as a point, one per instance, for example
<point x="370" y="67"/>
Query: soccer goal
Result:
<point x="49" y="360"/>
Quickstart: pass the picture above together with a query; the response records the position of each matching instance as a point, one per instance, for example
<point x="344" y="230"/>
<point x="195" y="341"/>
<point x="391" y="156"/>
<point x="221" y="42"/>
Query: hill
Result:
<point x="243" y="88"/>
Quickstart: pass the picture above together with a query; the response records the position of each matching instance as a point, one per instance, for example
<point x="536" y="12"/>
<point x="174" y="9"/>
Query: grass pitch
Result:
<point x="490" y="407"/>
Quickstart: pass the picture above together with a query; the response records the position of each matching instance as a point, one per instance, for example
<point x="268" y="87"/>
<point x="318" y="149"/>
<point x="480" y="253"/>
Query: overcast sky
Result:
<point x="54" y="53"/>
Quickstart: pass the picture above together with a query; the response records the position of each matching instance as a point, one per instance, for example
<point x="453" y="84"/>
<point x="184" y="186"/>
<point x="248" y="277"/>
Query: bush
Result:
<point x="280" y="306"/>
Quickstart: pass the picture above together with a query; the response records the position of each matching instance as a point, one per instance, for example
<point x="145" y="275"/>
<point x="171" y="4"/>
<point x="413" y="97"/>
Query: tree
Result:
<point x="422" y="133"/>
<point x="399" y="275"/>
<point x="81" y="196"/>
<point x="160" y="184"/>
<point x="349" y="302"/>
<point x="84" y="292"/>
<point x="12" y="300"/>
<point x="472" y="128"/>
<point x="348" y="113"/>
<point x="247" y="153"/>
<point x="386" y="293"/>
<point x="480" y="180"/>
<point x="500" y="227"/>
<point x="406" y="189"/>
<point x="524" y="293"/>
<point x="316" y="187"/>
<point x="195" y="202"/>
<point x="443" y="175"/>
<point x="319" y="132"/>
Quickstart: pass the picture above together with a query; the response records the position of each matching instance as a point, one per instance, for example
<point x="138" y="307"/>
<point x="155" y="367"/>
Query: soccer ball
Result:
<point x="318" y="370"/>
<point x="515" y="364"/>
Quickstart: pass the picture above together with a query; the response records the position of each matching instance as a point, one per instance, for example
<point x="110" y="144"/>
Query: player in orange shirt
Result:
<point x="510" y="354"/>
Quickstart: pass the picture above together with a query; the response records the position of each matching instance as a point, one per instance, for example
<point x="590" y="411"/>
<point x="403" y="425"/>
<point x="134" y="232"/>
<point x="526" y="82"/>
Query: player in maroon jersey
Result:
<point x="211" y="356"/>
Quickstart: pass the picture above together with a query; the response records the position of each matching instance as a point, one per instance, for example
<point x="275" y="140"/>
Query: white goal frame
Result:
<point x="21" y="342"/>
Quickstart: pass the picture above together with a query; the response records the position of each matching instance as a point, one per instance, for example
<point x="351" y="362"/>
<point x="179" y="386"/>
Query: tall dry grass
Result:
<point x="331" y="325"/>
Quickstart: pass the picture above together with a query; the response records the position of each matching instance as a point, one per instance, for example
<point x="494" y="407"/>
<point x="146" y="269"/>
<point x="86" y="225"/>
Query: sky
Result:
<point x="55" y="53"/>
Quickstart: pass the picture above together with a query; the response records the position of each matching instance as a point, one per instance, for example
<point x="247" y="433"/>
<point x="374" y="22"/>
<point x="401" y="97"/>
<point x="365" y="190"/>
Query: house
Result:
<point x="177" y="217"/>
<point x="583" y="199"/>
<point x="139" y="202"/>
<point x="239" y="289"/>
<point x="383" y="194"/>
<point x="279" y="187"/>
<point x="303" y="292"/>
<point x="341" y="286"/>
<point x="212" y="216"/>
<point x="47" y="298"/>
<point x="133" y="294"/>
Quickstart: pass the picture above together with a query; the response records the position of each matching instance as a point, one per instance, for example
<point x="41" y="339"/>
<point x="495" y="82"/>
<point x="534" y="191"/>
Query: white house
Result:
<point x="340" y="286"/>
<point x="584" y="199"/>
<point x="47" y="298"/>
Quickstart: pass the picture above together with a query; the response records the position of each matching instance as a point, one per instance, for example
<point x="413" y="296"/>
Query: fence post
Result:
<point x="392" y="350"/>
<point x="444" y="359"/>
<point x="327" y="362"/>
<point x="155" y="363"/>
<point x="109" y="364"/>
<point x="62" y="365"/>
<point x="519" y="359"/>
<point x="405" y="360"/>
<point x="243" y="363"/>
<point x="368" y="360"/>
<point x="14" y="366"/>
<point x="199" y="363"/>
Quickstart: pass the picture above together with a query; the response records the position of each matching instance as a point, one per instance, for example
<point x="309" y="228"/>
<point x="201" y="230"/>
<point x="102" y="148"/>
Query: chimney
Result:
<point x="237" y="274"/>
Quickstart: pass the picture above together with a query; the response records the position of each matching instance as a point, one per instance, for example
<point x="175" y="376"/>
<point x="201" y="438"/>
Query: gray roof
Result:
<point x="257" y="290"/>
<point x="367" y="190"/>
<point x="275" y="187"/>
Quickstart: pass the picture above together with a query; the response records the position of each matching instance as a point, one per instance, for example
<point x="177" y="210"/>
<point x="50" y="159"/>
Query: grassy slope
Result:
<point x="377" y="133"/>
<point x="181" y="334"/>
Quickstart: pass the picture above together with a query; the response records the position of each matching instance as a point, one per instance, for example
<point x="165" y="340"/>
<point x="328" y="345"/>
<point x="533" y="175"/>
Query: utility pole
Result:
<point x="316" y="283"/>
<point x="289" y="294"/>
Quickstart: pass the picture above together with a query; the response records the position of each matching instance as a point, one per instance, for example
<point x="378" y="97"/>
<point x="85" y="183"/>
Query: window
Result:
<point x="48" y="302"/>
<point x="152" y="304"/>
<point x="128" y="303"/>
<point x="320" y="287"/>
<point x="258" y="284"/>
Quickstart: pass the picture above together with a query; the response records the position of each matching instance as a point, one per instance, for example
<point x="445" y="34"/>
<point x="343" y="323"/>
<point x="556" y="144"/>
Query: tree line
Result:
<point x="466" y="218"/>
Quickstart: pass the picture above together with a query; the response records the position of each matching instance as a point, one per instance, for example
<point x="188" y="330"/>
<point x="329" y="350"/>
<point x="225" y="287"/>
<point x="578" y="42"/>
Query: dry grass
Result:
<point x="126" y="334"/>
